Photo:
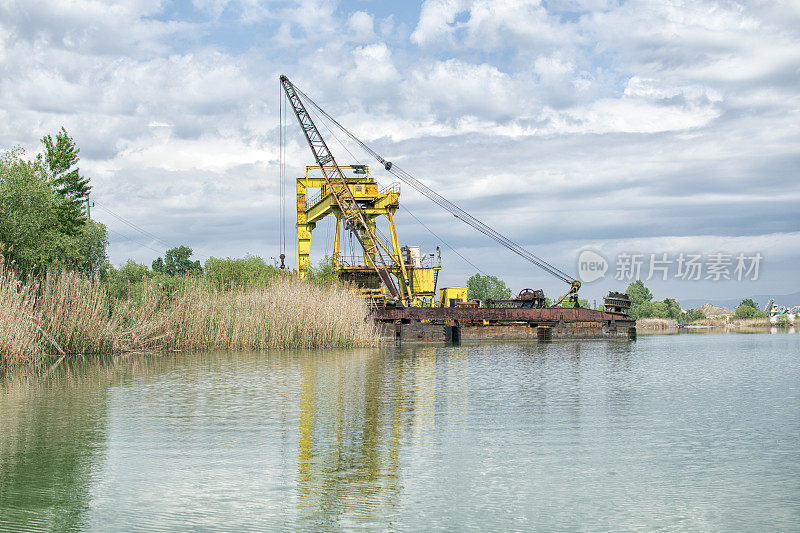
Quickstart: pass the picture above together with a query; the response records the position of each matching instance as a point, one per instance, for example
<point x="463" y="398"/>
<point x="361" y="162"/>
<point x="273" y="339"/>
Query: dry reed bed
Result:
<point x="751" y="322"/>
<point x="713" y="322"/>
<point x="287" y="313"/>
<point x="734" y="323"/>
<point x="66" y="314"/>
<point x="656" y="323"/>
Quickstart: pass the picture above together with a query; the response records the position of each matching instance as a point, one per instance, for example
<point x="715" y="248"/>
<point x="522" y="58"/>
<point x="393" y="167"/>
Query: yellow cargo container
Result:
<point x="450" y="296"/>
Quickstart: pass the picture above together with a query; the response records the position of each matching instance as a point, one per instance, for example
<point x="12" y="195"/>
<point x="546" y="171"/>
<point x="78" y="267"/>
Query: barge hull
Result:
<point x="449" y="324"/>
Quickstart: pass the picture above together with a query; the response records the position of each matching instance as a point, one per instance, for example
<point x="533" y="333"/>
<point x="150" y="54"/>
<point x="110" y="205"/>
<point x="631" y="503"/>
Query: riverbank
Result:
<point x="64" y="315"/>
<point x="669" y="325"/>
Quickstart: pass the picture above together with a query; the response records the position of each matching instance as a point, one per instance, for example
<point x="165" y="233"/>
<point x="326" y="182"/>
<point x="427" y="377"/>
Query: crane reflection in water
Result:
<point x="357" y="417"/>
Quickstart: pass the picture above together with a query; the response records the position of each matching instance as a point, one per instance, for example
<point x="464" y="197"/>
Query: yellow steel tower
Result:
<point x="416" y="274"/>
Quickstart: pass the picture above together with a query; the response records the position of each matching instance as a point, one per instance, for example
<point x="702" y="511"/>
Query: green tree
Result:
<point x="643" y="306"/>
<point x="749" y="303"/>
<point x="487" y="287"/>
<point x="749" y="309"/>
<point x="41" y="218"/>
<point x="126" y="281"/>
<point x="177" y="262"/>
<point x="61" y="158"/>
<point x="29" y="228"/>
<point x="638" y="293"/>
<point x="691" y="315"/>
<point x="229" y="273"/>
<point x="324" y="273"/>
<point x="92" y="241"/>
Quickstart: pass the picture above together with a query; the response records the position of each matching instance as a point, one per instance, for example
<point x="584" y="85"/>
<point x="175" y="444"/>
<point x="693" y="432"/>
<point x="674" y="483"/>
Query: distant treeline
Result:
<point x="643" y="306"/>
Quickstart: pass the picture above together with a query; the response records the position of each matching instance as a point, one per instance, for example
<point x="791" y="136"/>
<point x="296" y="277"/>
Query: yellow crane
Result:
<point x="357" y="220"/>
<point x="416" y="274"/>
<point x="354" y="199"/>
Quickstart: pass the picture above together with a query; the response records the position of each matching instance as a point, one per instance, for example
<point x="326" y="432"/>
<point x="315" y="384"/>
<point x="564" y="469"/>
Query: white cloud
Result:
<point x="360" y="26"/>
<point x="454" y="89"/>
<point x="561" y="123"/>
<point x="436" y="19"/>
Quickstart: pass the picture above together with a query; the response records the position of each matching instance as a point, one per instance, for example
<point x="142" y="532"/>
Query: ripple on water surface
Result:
<point x="679" y="432"/>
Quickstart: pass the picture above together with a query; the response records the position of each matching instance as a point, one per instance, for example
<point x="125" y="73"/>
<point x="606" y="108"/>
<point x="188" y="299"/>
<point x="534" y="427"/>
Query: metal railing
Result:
<point x="392" y="187"/>
<point x="426" y="261"/>
<point x="352" y="261"/>
<point x="317" y="197"/>
<point x="430" y="261"/>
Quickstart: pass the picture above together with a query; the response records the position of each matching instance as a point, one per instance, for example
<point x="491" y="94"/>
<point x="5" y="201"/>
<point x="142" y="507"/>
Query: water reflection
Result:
<point x="355" y="419"/>
<point x="342" y="453"/>
<point x="497" y="436"/>
<point x="52" y="434"/>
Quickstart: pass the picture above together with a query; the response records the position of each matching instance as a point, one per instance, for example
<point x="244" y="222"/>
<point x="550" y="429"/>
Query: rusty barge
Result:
<point x="453" y="324"/>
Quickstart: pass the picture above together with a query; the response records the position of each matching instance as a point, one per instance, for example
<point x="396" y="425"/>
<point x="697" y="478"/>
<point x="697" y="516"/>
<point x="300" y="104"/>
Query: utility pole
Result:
<point x="89" y="216"/>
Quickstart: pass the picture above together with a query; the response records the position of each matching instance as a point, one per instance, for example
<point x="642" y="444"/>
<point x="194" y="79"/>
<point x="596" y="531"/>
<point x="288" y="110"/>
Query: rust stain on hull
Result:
<point x="465" y="315"/>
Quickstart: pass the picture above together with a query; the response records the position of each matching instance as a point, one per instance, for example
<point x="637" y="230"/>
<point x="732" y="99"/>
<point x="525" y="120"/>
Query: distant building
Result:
<point x="774" y="311"/>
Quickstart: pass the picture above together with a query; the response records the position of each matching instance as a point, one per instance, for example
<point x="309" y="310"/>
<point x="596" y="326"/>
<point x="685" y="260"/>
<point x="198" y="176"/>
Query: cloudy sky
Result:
<point x="639" y="127"/>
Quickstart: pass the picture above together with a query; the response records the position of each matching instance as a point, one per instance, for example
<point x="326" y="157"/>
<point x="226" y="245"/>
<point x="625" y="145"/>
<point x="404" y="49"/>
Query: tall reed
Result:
<point x="284" y="313"/>
<point x="66" y="314"/>
<point x="19" y="337"/>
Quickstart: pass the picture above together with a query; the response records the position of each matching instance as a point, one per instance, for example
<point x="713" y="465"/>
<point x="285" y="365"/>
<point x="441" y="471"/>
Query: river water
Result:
<point x="682" y="432"/>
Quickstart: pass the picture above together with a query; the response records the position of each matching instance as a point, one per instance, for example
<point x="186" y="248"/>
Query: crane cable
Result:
<point x="404" y="207"/>
<point x="444" y="203"/>
<point x="282" y="176"/>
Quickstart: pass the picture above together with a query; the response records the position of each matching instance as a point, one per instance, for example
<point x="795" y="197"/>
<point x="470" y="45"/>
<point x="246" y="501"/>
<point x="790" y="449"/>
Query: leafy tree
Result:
<point x="229" y="273"/>
<point x="60" y="158"/>
<point x="749" y="309"/>
<point x="324" y="273"/>
<point x="176" y="262"/>
<point x="126" y="281"/>
<point x="158" y="265"/>
<point x="691" y="315"/>
<point x="92" y="241"/>
<point x="643" y="306"/>
<point x="485" y="287"/>
<point x="638" y="293"/>
<point x="672" y="309"/>
<point x="41" y="217"/>
<point x="29" y="228"/>
<point x="749" y="303"/>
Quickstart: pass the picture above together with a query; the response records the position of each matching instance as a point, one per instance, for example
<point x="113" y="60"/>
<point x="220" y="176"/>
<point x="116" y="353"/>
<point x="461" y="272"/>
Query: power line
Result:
<point x="421" y="223"/>
<point x="144" y="232"/>
<point x="129" y="223"/>
<point x="132" y="239"/>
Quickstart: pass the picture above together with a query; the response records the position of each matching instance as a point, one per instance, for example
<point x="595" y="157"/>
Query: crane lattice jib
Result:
<point x="339" y="189"/>
<point x="459" y="213"/>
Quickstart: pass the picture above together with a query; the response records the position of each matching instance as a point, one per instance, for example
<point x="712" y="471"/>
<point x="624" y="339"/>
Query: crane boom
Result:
<point x="337" y="184"/>
<point x="458" y="212"/>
